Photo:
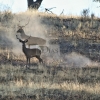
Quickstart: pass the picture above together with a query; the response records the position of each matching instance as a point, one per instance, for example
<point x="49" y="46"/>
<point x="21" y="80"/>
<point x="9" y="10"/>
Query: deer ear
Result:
<point x="20" y="40"/>
<point x="26" y="41"/>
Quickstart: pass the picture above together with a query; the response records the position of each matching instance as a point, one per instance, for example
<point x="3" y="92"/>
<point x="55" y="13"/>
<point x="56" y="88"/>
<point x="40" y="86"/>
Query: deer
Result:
<point x="33" y="40"/>
<point x="29" y="53"/>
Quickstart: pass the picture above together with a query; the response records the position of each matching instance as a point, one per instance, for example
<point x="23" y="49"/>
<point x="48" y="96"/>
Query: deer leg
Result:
<point x="40" y="60"/>
<point x="29" y="62"/>
<point x="26" y="61"/>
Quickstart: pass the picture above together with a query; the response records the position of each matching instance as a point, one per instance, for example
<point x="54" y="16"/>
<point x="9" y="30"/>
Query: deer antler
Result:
<point x="24" y="25"/>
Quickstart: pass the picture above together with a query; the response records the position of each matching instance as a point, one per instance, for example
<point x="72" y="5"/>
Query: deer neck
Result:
<point x="24" y="48"/>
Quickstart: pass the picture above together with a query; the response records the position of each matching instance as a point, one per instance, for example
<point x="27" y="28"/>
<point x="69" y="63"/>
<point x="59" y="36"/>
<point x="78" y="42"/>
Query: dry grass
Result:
<point x="70" y="75"/>
<point x="49" y="83"/>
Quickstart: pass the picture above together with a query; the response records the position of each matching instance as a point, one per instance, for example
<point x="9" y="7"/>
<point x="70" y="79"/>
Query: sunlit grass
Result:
<point x="72" y="86"/>
<point x="65" y="86"/>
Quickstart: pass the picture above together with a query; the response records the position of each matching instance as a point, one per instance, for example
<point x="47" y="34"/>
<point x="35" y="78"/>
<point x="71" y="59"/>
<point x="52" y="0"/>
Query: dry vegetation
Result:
<point x="72" y="67"/>
<point x="46" y="83"/>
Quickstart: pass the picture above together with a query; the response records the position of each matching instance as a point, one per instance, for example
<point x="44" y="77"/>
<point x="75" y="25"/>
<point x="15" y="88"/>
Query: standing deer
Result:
<point x="33" y="40"/>
<point x="29" y="53"/>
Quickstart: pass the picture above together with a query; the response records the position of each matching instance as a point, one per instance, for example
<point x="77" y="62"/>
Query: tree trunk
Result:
<point x="34" y="5"/>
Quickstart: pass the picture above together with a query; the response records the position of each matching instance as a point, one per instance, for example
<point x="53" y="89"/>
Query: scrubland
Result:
<point x="71" y="68"/>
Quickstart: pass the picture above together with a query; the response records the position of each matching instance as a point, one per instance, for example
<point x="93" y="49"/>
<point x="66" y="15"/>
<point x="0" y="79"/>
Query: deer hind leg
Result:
<point x="27" y="62"/>
<point x="40" y="60"/>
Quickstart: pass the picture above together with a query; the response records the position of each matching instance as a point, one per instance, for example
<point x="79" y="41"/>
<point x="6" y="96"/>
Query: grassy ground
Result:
<point x="43" y="82"/>
<point x="73" y="75"/>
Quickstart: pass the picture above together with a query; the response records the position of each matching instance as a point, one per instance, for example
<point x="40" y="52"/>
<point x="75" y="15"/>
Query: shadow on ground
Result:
<point x="53" y="94"/>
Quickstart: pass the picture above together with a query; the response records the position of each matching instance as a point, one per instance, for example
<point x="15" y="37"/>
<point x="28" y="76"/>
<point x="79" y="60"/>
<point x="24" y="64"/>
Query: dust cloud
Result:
<point x="77" y="60"/>
<point x="36" y="28"/>
<point x="32" y="26"/>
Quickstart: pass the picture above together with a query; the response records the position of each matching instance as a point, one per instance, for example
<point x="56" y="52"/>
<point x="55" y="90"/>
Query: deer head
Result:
<point x="20" y="28"/>
<point x="23" y="42"/>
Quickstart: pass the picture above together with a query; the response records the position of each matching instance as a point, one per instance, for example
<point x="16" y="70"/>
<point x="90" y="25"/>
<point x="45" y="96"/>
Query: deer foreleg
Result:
<point x="29" y="62"/>
<point x="26" y="61"/>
